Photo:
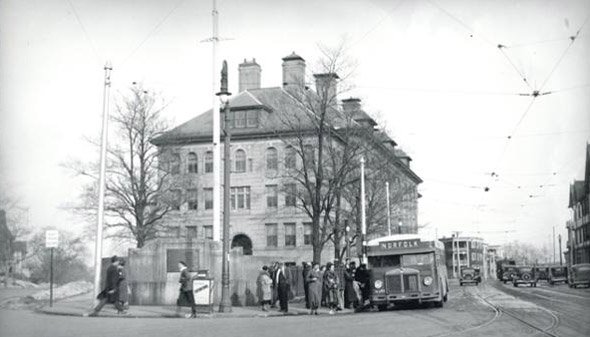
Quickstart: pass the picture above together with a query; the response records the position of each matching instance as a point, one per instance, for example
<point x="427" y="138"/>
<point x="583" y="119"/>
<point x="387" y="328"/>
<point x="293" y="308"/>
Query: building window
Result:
<point x="192" y="197"/>
<point x="208" y="232"/>
<point x="175" y="199"/>
<point x="272" y="235"/>
<point x="208" y="161"/>
<point x="307" y="232"/>
<point x="243" y="119"/>
<point x="174" y="232"/>
<point x="240" y="198"/>
<point x="240" y="159"/>
<point x="272" y="162"/>
<point x="290" y="235"/>
<point x="191" y="232"/>
<point x="290" y="158"/>
<point x="290" y="195"/>
<point x="175" y="163"/>
<point x="252" y="118"/>
<point x="193" y="166"/>
<point x="272" y="198"/>
<point x="208" y="194"/>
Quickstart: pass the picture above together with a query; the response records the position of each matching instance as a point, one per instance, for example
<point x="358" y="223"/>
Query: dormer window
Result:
<point x="244" y="119"/>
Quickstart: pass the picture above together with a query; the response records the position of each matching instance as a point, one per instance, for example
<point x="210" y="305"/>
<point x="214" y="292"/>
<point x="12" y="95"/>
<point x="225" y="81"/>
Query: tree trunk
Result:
<point x="337" y="229"/>
<point x="316" y="239"/>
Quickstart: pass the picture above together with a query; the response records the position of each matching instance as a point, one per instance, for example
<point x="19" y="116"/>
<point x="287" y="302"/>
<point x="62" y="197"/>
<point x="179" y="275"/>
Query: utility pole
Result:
<point x="216" y="128"/>
<point x="101" y="182"/>
<point x="225" y="304"/>
<point x="388" y="209"/>
<point x="560" y="254"/>
<point x="554" y="244"/>
<point x="363" y="215"/>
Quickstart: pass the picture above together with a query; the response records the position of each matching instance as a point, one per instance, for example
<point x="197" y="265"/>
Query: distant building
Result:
<point x="578" y="244"/>
<point x="265" y="219"/>
<point x="463" y="252"/>
<point x="12" y="252"/>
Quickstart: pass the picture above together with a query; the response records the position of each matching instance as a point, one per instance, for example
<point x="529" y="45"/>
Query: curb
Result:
<point x="214" y="315"/>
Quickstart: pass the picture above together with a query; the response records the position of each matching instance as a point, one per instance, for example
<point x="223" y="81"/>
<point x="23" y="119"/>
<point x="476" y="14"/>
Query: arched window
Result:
<point x="175" y="163"/>
<point x="271" y="159"/>
<point x="208" y="161"/>
<point x="193" y="166"/>
<point x="290" y="157"/>
<point x="240" y="159"/>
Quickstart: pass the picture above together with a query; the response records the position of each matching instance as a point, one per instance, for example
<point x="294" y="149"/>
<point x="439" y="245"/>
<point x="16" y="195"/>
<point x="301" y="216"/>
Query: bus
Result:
<point x="407" y="269"/>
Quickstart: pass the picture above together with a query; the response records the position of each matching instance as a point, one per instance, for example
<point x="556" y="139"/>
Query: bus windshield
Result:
<point x="384" y="261"/>
<point x="418" y="259"/>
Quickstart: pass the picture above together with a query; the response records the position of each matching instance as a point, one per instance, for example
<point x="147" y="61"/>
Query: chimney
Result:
<point x="249" y="75"/>
<point x="351" y="104"/>
<point x="325" y="86"/>
<point x="293" y="71"/>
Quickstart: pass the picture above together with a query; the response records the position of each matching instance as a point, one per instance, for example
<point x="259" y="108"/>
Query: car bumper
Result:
<point x="404" y="298"/>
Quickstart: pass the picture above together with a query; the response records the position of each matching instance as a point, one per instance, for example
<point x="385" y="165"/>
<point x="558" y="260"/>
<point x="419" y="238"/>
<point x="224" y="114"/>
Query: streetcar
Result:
<point x="407" y="269"/>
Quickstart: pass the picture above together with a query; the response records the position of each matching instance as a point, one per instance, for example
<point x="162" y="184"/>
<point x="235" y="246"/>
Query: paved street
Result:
<point x="490" y="309"/>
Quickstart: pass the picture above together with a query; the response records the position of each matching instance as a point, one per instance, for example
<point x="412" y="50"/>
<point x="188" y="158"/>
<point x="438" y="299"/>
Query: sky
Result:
<point x="430" y="71"/>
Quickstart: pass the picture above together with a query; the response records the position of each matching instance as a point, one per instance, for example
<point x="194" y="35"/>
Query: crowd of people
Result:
<point x="331" y="286"/>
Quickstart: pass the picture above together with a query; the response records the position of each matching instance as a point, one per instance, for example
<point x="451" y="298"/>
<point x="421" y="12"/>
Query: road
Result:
<point x="490" y="309"/>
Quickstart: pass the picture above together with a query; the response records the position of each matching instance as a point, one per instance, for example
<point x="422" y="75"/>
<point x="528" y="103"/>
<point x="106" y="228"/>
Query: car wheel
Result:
<point x="515" y="284"/>
<point x="382" y="307"/>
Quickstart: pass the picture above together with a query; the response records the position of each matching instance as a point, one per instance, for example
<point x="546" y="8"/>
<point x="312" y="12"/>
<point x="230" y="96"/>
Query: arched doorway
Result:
<point x="242" y="240"/>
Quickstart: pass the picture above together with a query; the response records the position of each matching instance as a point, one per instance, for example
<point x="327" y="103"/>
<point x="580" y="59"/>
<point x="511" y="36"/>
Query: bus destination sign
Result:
<point x="400" y="244"/>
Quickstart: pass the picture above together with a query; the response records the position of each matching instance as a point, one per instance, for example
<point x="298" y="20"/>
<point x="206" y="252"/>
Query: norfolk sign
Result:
<point x="400" y="244"/>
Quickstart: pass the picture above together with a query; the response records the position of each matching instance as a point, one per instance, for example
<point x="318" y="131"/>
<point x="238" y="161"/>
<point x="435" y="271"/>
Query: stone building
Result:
<point x="578" y="244"/>
<point x="463" y="252"/>
<point x="266" y="219"/>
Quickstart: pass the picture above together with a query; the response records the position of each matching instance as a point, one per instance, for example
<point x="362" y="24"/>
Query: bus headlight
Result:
<point x="427" y="280"/>
<point x="378" y="284"/>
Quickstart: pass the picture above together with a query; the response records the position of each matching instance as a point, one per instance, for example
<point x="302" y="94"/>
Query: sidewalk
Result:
<point x="81" y="305"/>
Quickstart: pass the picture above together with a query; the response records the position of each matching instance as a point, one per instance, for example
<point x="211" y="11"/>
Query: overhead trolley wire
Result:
<point x="83" y="28"/>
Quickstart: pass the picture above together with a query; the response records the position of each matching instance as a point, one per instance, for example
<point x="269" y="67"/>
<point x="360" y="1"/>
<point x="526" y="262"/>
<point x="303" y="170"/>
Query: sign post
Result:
<point x="51" y="241"/>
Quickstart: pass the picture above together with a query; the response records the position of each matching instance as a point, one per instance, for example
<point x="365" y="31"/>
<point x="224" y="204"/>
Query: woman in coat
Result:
<point x="315" y="283"/>
<point x="350" y="297"/>
<point x="264" y="289"/>
<point x="331" y="282"/>
<point x="122" y="287"/>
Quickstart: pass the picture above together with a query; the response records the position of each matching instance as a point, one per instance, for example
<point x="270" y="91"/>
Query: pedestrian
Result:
<point x="350" y="296"/>
<point x="263" y="287"/>
<point x="185" y="295"/>
<point x="314" y="280"/>
<point x="275" y="291"/>
<point x="362" y="277"/>
<point x="324" y="290"/>
<point x="282" y="280"/>
<point x="123" y="287"/>
<point x="331" y="284"/>
<point x="305" y="272"/>
<point x="110" y="292"/>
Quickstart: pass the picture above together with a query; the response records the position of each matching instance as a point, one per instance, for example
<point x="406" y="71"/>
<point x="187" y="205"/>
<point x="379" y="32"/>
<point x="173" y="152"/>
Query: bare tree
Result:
<point x="138" y="192"/>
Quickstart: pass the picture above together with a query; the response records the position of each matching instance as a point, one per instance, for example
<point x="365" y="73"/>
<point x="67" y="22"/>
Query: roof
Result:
<point x="293" y="56"/>
<point x="282" y="113"/>
<point x="401" y="154"/>
<point x="577" y="192"/>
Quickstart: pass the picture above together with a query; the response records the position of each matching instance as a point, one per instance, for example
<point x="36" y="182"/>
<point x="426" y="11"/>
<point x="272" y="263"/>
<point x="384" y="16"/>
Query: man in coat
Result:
<point x="185" y="295"/>
<point x="305" y="273"/>
<point x="110" y="293"/>
<point x="282" y="280"/>
<point x="350" y="297"/>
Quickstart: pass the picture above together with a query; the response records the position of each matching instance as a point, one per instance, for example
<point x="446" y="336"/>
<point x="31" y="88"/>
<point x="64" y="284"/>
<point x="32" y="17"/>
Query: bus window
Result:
<point x="384" y="261"/>
<point x="418" y="259"/>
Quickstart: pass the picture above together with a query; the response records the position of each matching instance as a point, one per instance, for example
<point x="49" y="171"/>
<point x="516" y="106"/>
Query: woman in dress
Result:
<point x="314" y="280"/>
<point x="263" y="287"/>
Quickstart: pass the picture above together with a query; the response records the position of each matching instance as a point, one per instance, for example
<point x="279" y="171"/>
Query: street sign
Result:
<point x="51" y="238"/>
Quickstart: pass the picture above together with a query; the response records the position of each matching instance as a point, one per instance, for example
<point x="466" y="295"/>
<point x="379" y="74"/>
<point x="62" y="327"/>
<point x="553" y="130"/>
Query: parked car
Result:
<point x="508" y="272"/>
<point x="557" y="274"/>
<point x="524" y="275"/>
<point x="470" y="275"/>
<point x="579" y="274"/>
<point x="542" y="273"/>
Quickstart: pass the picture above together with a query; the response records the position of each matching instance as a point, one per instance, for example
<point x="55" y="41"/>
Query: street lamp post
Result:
<point x="347" y="233"/>
<point x="363" y="215"/>
<point x="225" y="304"/>
<point x="388" y="209"/>
<point x="560" y="254"/>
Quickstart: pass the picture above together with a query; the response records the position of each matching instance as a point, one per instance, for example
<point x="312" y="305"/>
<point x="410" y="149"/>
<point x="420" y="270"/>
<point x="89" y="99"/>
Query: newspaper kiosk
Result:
<point x="203" y="291"/>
